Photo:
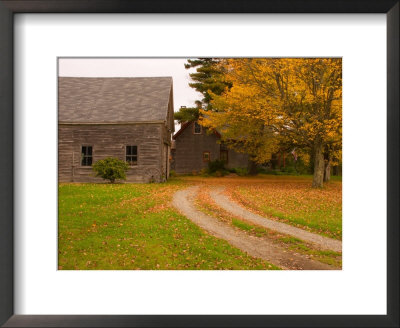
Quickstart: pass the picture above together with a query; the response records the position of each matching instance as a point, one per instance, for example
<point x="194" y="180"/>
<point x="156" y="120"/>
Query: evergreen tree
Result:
<point x="208" y="77"/>
<point x="188" y="114"/>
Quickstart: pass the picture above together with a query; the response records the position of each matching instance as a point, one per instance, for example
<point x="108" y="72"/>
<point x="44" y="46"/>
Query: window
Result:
<point x="197" y="128"/>
<point x="206" y="156"/>
<point x="131" y="155"/>
<point x="86" y="156"/>
<point x="223" y="156"/>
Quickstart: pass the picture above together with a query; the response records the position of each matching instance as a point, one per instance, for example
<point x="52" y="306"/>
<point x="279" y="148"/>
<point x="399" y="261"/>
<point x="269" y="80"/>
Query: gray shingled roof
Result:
<point x="113" y="100"/>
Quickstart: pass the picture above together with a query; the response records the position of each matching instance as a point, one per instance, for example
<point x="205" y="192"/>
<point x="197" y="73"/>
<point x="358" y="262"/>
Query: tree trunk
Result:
<point x="327" y="168"/>
<point x="327" y="171"/>
<point x="335" y="170"/>
<point x="252" y="167"/>
<point x="319" y="165"/>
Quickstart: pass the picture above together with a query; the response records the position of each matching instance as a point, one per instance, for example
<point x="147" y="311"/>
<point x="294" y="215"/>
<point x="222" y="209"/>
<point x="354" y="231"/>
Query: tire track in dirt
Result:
<point x="228" y="205"/>
<point x="254" y="246"/>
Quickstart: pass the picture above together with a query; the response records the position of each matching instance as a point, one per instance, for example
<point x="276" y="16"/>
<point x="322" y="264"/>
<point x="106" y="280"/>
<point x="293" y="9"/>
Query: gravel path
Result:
<point x="322" y="242"/>
<point x="254" y="246"/>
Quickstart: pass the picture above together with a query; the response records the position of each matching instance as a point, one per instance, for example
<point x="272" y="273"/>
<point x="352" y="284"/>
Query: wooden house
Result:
<point x="194" y="147"/>
<point x="127" y="118"/>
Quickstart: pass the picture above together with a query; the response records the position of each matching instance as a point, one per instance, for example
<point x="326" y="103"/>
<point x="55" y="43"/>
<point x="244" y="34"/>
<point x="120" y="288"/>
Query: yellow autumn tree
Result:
<point x="280" y="100"/>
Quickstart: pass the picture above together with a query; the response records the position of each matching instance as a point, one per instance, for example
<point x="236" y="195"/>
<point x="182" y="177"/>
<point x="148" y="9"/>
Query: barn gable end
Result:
<point x="193" y="149"/>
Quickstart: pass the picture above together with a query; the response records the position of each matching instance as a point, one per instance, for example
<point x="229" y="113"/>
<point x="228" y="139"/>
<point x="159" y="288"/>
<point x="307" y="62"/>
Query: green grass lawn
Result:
<point x="293" y="201"/>
<point x="133" y="226"/>
<point x="289" y="199"/>
<point x="206" y="204"/>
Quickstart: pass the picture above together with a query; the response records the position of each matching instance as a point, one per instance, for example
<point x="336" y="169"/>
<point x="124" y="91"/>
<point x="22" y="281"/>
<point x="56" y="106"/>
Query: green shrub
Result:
<point x="272" y="172"/>
<point x="262" y="169"/>
<point x="291" y="170"/>
<point x="219" y="173"/>
<point x="267" y="170"/>
<point x="111" y="169"/>
<point x="241" y="171"/>
<point x="204" y="172"/>
<point x="217" y="165"/>
<point x="172" y="173"/>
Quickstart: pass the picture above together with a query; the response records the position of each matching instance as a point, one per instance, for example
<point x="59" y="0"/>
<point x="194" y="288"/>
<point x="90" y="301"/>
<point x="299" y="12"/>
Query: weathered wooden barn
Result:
<point x="127" y="118"/>
<point x="194" y="147"/>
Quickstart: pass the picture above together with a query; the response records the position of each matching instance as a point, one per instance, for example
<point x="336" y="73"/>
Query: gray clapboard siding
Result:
<point x="189" y="149"/>
<point x="110" y="114"/>
<point x="110" y="141"/>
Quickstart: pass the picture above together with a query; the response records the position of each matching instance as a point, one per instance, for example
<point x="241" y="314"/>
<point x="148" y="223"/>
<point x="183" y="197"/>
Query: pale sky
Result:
<point x="135" y="67"/>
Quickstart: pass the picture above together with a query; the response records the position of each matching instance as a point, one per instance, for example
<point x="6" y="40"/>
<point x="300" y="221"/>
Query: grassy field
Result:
<point x="293" y="201"/>
<point x="206" y="204"/>
<point x="289" y="199"/>
<point x="133" y="226"/>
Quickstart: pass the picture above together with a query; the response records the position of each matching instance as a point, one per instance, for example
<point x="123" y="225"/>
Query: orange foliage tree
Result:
<point x="275" y="101"/>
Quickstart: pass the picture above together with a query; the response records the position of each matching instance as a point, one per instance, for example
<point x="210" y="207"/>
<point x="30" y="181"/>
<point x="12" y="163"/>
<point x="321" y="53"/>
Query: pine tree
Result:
<point x="208" y="77"/>
<point x="188" y="114"/>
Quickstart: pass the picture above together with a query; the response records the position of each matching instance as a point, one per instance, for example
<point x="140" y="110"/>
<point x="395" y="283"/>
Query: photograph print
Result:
<point x="199" y="163"/>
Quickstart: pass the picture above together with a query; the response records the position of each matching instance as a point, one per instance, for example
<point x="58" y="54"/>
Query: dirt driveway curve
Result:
<point x="254" y="246"/>
<point x="322" y="242"/>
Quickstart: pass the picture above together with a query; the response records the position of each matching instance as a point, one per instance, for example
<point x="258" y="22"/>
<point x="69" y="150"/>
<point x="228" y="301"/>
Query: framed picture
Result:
<point x="43" y="42"/>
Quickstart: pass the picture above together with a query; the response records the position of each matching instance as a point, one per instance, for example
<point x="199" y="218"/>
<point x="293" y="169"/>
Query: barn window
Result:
<point x="86" y="156"/>
<point x="224" y="155"/>
<point x="197" y="128"/>
<point x="131" y="155"/>
<point x="206" y="156"/>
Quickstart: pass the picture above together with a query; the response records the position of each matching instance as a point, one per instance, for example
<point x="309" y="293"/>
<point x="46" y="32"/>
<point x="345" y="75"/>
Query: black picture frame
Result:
<point x="10" y="7"/>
